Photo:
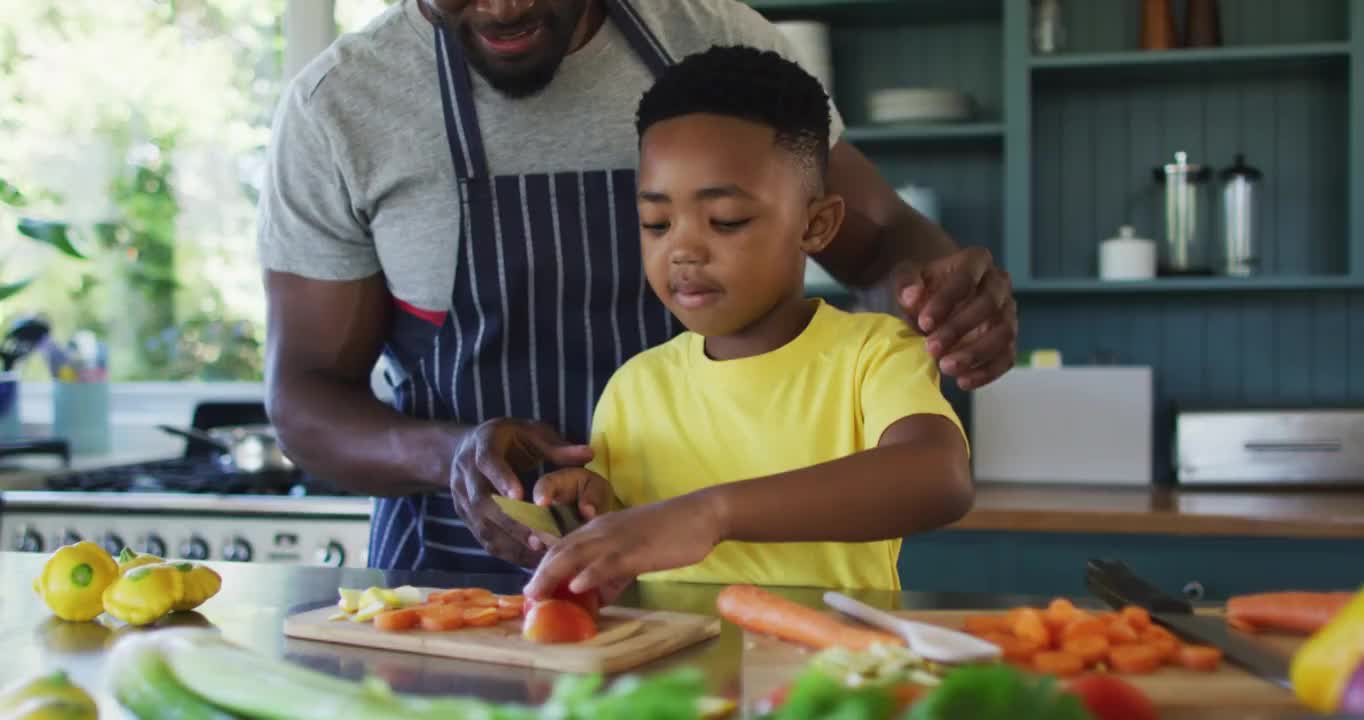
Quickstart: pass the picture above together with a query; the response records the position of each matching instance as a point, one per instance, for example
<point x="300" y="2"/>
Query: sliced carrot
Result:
<point x="1163" y="641"/>
<point x="1295" y="612"/>
<point x="1029" y="625"/>
<point x="395" y="620"/>
<point x="1058" y="663"/>
<point x="509" y="612"/>
<point x="1137" y="617"/>
<point x="1090" y="648"/>
<point x="477" y="593"/>
<point x="1200" y="657"/>
<point x="1242" y="625"/>
<point x="1015" y="650"/>
<point x="761" y="611"/>
<point x="1059" y="612"/>
<point x="1135" y="659"/>
<point x="441" y="617"/>
<point x="981" y="624"/>
<point x="1084" y="624"/>
<point x="480" y="601"/>
<point x="1120" y="632"/>
<point x="511" y="600"/>
<point x="454" y="596"/>
<point x="481" y="616"/>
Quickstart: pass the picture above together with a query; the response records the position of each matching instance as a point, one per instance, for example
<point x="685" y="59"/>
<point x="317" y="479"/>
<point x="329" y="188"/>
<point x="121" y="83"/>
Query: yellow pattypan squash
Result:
<point x="74" y="579"/>
<point x="200" y="584"/>
<point x="129" y="559"/>
<point x="145" y="594"/>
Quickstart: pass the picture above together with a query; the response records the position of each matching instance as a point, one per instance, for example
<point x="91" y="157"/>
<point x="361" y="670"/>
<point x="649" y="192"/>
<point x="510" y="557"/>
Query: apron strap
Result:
<point x="457" y="93"/>
<point x="640" y="37"/>
<point x="457" y="102"/>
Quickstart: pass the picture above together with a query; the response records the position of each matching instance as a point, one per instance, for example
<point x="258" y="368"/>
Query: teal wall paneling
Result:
<point x="1113" y="25"/>
<point x="968" y="177"/>
<point x="1356" y="146"/>
<point x="1018" y="115"/>
<point x="1290" y="123"/>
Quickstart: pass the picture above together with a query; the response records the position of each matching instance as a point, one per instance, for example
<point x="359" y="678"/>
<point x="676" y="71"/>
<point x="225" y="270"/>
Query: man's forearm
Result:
<point x="873" y="495"/>
<point x="913" y="240"/>
<point x="338" y="430"/>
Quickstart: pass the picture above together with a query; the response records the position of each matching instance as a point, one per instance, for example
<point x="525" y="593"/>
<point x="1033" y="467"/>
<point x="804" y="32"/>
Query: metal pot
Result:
<point x="245" y="448"/>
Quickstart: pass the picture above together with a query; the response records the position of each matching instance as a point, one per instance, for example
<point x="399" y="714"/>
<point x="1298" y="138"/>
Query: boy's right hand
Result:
<point x="588" y="490"/>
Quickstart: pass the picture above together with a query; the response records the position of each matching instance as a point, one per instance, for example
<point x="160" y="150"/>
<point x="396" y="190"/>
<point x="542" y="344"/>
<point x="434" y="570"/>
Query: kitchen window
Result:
<point x="138" y="131"/>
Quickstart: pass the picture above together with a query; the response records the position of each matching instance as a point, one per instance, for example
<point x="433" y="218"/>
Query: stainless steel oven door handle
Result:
<point x="1319" y="446"/>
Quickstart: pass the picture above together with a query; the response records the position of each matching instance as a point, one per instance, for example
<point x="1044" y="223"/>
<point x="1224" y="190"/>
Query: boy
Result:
<point x="780" y="441"/>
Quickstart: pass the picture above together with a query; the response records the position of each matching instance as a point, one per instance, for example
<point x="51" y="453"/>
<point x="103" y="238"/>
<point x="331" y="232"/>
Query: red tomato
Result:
<point x="557" y="621"/>
<point x="589" y="601"/>
<point x="1109" y="698"/>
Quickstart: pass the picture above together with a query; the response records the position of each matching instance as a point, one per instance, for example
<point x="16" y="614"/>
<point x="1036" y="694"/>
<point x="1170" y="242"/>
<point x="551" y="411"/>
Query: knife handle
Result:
<point x="1115" y="583"/>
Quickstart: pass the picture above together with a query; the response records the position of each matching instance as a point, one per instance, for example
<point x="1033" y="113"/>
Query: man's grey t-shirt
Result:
<point x="361" y="179"/>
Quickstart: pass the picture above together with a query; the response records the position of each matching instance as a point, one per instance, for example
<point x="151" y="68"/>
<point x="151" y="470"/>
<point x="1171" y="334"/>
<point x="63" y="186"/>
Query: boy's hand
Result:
<point x="590" y="491"/>
<point x="616" y="547"/>
<point x="964" y="304"/>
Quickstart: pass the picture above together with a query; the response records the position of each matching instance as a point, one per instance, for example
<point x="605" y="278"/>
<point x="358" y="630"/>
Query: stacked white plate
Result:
<point x="919" y="105"/>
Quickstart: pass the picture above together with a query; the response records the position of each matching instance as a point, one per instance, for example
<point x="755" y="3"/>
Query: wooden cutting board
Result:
<point x="1229" y="692"/>
<point x="658" y="633"/>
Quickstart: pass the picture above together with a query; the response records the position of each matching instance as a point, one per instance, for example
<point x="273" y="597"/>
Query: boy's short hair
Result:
<point x="755" y="85"/>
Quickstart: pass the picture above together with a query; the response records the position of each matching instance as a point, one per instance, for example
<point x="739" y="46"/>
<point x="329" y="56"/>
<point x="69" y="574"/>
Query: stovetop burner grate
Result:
<point x="188" y="475"/>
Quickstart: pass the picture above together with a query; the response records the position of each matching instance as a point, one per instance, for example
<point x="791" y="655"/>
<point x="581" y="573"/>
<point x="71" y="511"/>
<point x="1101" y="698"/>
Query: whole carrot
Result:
<point x="760" y="611"/>
<point x="1296" y="612"/>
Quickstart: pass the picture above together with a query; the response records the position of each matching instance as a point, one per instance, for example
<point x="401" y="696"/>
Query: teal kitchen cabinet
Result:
<point x="1050" y="564"/>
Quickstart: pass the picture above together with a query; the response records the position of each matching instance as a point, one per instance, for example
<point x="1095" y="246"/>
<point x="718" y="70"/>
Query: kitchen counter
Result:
<point x="1165" y="511"/>
<point x="255" y="600"/>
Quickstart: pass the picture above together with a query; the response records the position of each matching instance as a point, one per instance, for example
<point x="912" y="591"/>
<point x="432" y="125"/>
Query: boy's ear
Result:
<point x="825" y="218"/>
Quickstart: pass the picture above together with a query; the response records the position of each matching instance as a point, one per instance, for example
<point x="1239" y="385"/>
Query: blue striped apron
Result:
<point x="549" y="299"/>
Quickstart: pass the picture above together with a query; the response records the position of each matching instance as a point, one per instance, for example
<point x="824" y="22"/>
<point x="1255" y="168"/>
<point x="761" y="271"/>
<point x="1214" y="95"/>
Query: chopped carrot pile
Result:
<point x="1062" y="640"/>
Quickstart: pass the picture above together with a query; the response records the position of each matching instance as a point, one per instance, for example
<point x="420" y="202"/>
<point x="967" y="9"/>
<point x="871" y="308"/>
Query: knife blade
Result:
<point x="554" y="520"/>
<point x="1115" y="584"/>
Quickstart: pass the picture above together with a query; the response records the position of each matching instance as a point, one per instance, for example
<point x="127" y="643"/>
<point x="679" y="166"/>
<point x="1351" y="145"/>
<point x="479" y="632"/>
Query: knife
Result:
<point x="554" y="520"/>
<point x="1114" y="583"/>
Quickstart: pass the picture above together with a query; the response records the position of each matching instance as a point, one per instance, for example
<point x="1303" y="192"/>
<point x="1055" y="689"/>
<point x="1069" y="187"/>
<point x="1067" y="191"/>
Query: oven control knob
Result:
<point x="196" y="548"/>
<point x="154" y="545"/>
<point x="70" y="537"/>
<point x="237" y="550"/>
<point x="332" y="554"/>
<point x="112" y="543"/>
<point x="29" y="541"/>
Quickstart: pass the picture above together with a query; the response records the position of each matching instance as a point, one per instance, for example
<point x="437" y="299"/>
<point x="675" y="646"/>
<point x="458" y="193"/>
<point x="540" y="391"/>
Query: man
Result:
<point x="479" y="229"/>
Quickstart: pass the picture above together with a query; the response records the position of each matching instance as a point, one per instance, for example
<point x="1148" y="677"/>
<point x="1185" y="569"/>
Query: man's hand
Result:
<point x="487" y="463"/>
<point x="965" y="305"/>
<point x="572" y="486"/>
<point x="616" y="547"/>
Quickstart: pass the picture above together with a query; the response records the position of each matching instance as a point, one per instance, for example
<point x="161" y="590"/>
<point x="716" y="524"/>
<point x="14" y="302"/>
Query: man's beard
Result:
<point x="526" y="80"/>
<point x="519" y="83"/>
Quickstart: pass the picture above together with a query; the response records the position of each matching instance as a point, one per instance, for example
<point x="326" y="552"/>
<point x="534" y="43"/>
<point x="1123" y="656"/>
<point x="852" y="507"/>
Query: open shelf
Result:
<point x="1278" y="55"/>
<point x="1266" y="283"/>
<point x="913" y="132"/>
<point x="878" y="11"/>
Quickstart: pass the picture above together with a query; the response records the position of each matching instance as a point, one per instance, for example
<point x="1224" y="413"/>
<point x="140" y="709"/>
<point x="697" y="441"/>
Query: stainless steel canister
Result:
<point x="1239" y="254"/>
<point x="1185" y="249"/>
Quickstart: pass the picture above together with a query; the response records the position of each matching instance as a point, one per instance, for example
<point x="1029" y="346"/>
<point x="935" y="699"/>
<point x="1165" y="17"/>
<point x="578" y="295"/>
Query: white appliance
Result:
<point x="1080" y="425"/>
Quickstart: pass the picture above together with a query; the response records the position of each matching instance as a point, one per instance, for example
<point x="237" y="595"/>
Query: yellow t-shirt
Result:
<point x="672" y="421"/>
